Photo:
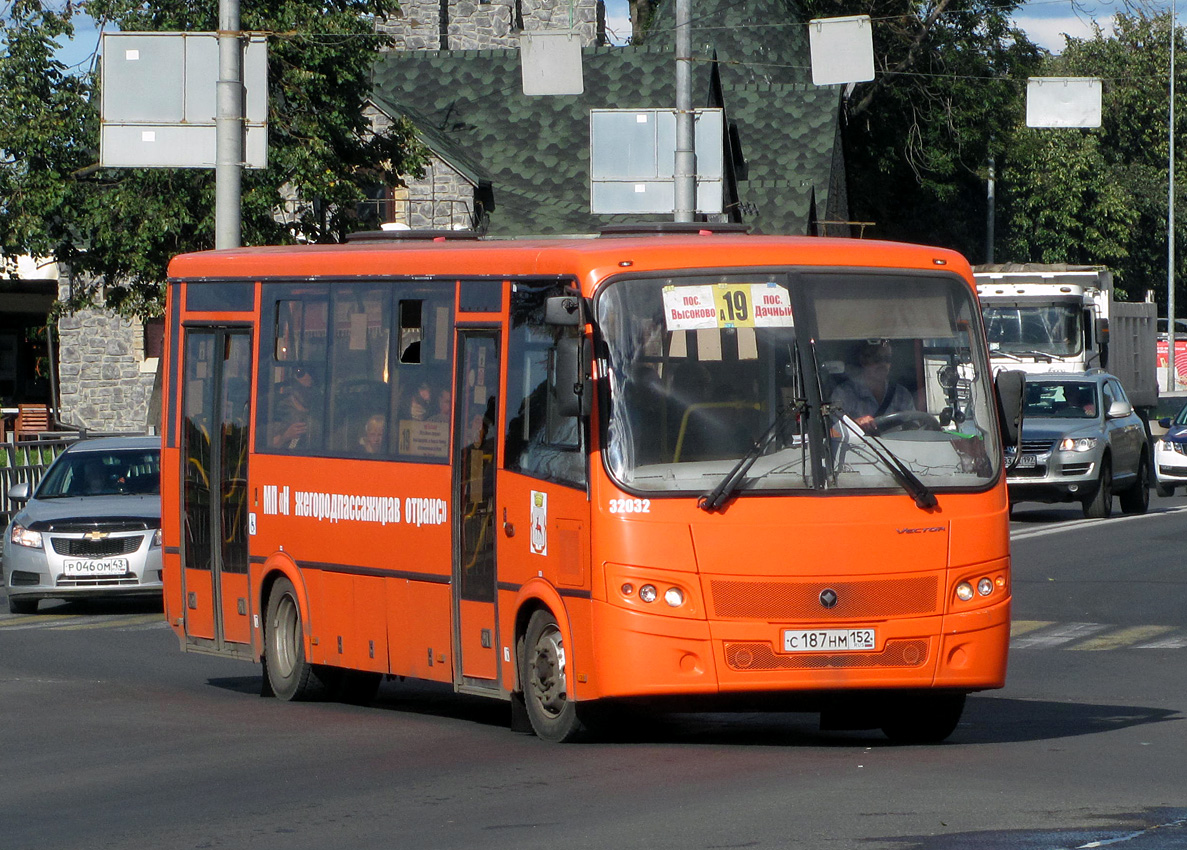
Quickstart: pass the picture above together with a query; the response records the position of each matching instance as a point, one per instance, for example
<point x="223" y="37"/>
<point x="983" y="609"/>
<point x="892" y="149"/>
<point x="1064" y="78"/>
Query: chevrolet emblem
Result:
<point x="95" y="535"/>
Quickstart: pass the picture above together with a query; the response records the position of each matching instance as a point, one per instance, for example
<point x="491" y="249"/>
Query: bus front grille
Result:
<point x="801" y="600"/>
<point x="760" y="656"/>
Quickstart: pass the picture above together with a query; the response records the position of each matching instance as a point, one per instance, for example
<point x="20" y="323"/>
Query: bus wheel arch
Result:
<point x="543" y="665"/>
<point x="288" y="673"/>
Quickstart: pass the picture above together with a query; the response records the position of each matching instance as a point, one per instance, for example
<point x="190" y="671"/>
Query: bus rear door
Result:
<point x="214" y="444"/>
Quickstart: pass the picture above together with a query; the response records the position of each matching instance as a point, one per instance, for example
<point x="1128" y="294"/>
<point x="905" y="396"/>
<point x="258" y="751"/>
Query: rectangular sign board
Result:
<point x="159" y="98"/>
<point x="633" y="160"/>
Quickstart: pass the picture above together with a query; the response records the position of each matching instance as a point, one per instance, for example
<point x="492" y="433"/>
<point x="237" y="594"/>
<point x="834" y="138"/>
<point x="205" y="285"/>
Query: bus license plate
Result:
<point x="91" y="567"/>
<point x="1026" y="462"/>
<point x="828" y="640"/>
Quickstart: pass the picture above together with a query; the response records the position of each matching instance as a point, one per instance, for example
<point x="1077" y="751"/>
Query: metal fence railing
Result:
<point x="26" y="461"/>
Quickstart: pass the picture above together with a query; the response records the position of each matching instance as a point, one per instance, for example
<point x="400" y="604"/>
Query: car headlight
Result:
<point x="1169" y="446"/>
<point x="1078" y="444"/>
<point x="22" y="536"/>
<point x="156" y="539"/>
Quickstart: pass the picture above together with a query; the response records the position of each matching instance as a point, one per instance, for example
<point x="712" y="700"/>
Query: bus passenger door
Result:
<point x="214" y="443"/>
<point x="475" y="445"/>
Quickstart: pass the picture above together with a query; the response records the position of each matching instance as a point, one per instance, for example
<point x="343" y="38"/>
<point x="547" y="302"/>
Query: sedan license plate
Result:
<point x="829" y="640"/>
<point x="95" y="567"/>
<point x="1027" y="462"/>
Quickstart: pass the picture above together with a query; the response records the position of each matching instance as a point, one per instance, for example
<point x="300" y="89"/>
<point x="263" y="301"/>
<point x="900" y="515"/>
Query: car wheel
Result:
<point x="1100" y="504"/>
<point x="552" y="713"/>
<point x="291" y="676"/>
<point x="20" y="605"/>
<point x="1164" y="490"/>
<point x="1136" y="499"/>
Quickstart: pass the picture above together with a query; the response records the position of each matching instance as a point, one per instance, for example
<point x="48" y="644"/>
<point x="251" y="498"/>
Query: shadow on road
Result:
<point x="987" y="719"/>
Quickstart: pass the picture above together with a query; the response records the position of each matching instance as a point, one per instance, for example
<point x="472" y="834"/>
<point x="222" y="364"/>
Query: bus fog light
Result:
<point x="985" y="587"/>
<point x="964" y="591"/>
<point x="648" y="593"/>
<point x="674" y="597"/>
<point x="627" y="588"/>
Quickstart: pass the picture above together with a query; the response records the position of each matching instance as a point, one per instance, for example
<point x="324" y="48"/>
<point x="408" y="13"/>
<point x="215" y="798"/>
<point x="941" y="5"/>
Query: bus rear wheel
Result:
<point x="544" y="678"/>
<point x="291" y="676"/>
<point x="922" y="718"/>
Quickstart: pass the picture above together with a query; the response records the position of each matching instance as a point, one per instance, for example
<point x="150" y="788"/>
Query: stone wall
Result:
<point x="104" y="383"/>
<point x="474" y="25"/>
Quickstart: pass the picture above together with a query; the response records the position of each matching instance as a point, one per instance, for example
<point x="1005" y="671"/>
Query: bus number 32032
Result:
<point x="630" y="506"/>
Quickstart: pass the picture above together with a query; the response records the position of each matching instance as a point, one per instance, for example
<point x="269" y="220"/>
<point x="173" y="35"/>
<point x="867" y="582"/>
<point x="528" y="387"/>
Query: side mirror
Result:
<point x="1011" y="390"/>
<point x="565" y="311"/>
<point x="570" y="377"/>
<point x="19" y="492"/>
<point x="1165" y="422"/>
<point x="1119" y="410"/>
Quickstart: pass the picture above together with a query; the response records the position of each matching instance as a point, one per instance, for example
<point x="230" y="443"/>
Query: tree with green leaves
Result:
<point x="1100" y="195"/>
<point x="121" y="226"/>
<point x="918" y="138"/>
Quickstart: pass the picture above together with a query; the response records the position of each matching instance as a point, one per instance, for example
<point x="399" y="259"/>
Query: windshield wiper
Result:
<point x="916" y="489"/>
<point x="720" y="494"/>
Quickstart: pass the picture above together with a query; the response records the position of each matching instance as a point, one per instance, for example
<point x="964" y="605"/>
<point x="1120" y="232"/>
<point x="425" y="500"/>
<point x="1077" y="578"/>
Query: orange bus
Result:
<point x="697" y="465"/>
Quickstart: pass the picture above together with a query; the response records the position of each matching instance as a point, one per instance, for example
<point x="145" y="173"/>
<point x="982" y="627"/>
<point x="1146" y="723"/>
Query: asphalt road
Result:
<point x="112" y="738"/>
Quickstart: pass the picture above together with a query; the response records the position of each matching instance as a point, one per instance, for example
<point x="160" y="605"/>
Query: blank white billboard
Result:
<point x="1063" y="102"/>
<point x="842" y="50"/>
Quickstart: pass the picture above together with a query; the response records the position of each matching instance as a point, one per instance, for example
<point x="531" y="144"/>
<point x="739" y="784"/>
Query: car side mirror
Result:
<point x="19" y="492"/>
<point x="1164" y="422"/>
<point x="1119" y="409"/>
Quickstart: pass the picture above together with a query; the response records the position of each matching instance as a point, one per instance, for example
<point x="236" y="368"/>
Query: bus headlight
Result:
<point x="984" y="587"/>
<point x="674" y="597"/>
<point x="648" y="593"/>
<point x="964" y="591"/>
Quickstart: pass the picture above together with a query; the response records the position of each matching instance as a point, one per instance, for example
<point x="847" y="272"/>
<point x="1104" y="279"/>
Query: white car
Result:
<point x="92" y="528"/>
<point x="1170" y="455"/>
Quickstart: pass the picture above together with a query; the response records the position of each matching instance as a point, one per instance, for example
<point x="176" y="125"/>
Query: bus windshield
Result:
<point x="843" y="378"/>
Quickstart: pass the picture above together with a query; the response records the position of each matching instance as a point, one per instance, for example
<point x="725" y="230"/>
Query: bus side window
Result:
<point x="359" y="357"/>
<point x="292" y="380"/>
<point x="540" y="442"/>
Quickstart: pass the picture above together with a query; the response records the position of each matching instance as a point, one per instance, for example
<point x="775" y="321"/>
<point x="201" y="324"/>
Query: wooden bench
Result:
<point x="32" y="420"/>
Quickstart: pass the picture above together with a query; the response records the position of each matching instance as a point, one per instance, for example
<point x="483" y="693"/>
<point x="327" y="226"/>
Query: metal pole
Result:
<point x="686" y="163"/>
<point x="229" y="129"/>
<point x="1171" y="367"/>
<point x="991" y="203"/>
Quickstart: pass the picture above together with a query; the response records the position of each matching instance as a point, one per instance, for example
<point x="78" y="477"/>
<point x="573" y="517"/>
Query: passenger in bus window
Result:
<point x="867" y="392"/>
<point x="444" y="406"/>
<point x="374" y="433"/>
<point x="420" y="404"/>
<point x="293" y="423"/>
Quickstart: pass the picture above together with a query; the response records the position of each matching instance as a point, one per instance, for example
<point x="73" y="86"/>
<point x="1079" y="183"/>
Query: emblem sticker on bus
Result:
<point x="539" y="536"/>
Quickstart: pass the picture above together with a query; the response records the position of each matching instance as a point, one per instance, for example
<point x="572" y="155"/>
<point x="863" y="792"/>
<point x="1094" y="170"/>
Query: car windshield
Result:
<point x="1054" y="330"/>
<point x="703" y="367"/>
<point x="109" y="473"/>
<point x="1061" y="400"/>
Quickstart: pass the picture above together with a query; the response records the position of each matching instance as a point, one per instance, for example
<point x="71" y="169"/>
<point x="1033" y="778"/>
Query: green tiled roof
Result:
<point x="533" y="152"/>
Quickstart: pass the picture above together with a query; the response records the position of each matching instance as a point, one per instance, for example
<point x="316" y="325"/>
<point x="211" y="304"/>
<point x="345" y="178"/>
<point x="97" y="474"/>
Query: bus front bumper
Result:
<point x="645" y="655"/>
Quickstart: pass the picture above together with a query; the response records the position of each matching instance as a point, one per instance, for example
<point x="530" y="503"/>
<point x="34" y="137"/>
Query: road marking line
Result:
<point x="1021" y="627"/>
<point x="1122" y="638"/>
<point x="33" y="621"/>
<point x="1174" y="642"/>
<point x="1058" y="635"/>
<point x="113" y="622"/>
<point x="1073" y="525"/>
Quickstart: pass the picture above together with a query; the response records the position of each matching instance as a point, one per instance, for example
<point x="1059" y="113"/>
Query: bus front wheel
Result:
<point x="291" y="676"/>
<point x="544" y="678"/>
<point x="922" y="718"/>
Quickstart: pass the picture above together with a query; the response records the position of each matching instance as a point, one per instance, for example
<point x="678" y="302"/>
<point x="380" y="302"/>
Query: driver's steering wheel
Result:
<point x="907" y="420"/>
